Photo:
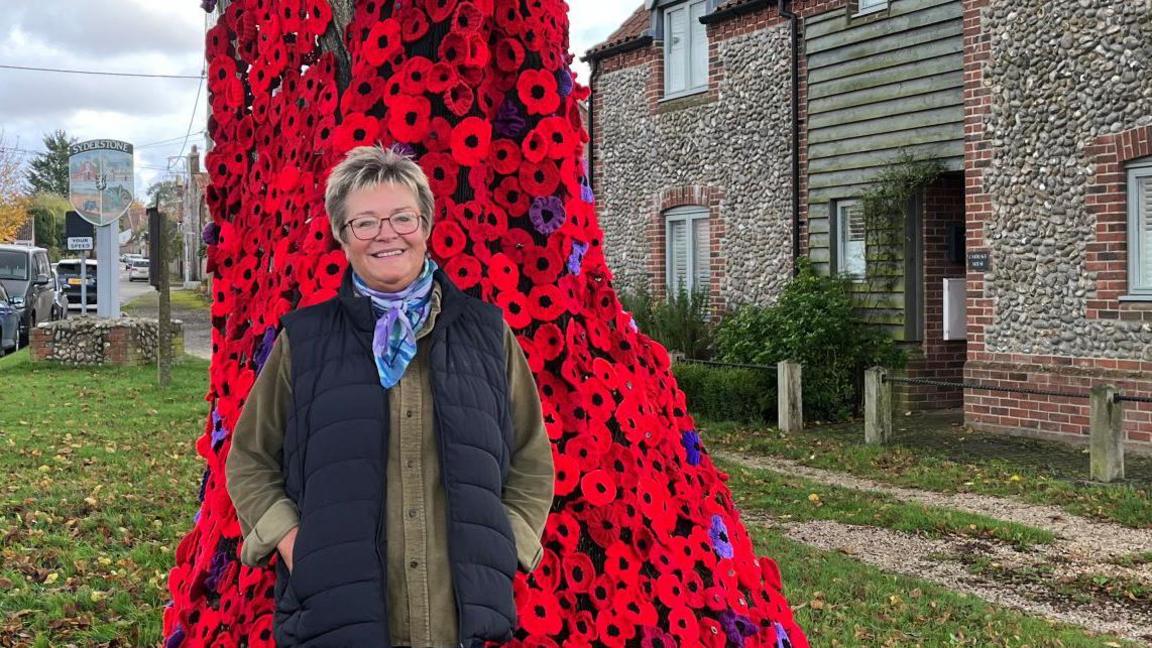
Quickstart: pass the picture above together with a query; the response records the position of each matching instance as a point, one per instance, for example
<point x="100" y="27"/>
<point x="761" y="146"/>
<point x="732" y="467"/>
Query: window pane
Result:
<point x="677" y="256"/>
<point x="676" y="50"/>
<point x="699" y="53"/>
<point x="702" y="248"/>
<point x="871" y="4"/>
<point x="1143" y="221"/>
<point x="850" y="227"/>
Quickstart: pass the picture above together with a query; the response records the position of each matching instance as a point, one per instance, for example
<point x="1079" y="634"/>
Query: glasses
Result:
<point x="367" y="228"/>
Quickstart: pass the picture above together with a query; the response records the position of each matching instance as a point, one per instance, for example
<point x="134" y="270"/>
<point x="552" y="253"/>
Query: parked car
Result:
<point x="138" y="269"/>
<point x="127" y="259"/>
<point x="27" y="278"/>
<point x="69" y="270"/>
<point x="9" y="324"/>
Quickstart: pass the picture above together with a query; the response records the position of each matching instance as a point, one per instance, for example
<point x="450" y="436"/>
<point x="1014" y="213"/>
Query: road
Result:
<point x="129" y="290"/>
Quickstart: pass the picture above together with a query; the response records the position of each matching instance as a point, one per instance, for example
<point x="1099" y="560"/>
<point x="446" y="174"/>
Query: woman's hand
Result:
<point x="285" y="547"/>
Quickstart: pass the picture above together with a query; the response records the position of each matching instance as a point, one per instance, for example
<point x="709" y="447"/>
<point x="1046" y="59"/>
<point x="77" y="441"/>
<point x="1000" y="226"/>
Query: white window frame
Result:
<point x="865" y="7"/>
<point x="1139" y="219"/>
<point x="841" y="244"/>
<point x="692" y="85"/>
<point x="688" y="215"/>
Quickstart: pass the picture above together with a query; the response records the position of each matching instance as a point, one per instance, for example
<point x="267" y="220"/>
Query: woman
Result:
<point x="392" y="451"/>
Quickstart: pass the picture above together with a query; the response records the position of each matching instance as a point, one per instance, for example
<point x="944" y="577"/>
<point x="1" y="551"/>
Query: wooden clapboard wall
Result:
<point x="879" y="87"/>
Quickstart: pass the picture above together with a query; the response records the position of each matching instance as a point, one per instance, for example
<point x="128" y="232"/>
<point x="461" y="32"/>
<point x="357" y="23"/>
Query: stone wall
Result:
<point x="92" y="341"/>
<point x="1059" y="97"/>
<point x="1060" y="75"/>
<point x="727" y="149"/>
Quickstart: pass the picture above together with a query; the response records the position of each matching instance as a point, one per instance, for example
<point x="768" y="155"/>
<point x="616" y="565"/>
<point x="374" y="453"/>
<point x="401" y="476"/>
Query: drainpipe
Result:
<point x="593" y="66"/>
<point x="794" y="24"/>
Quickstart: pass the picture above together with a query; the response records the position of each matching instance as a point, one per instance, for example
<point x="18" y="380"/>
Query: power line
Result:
<point x="28" y="68"/>
<point x="172" y="140"/>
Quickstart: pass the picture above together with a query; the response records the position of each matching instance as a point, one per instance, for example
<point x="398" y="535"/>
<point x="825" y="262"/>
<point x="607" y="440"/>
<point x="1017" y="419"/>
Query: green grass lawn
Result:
<point x="799" y="500"/>
<point x="101" y="483"/>
<point x="948" y="461"/>
<point x="181" y="300"/>
<point x="841" y="603"/>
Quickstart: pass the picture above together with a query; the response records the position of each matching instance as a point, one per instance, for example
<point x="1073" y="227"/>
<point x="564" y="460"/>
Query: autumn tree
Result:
<point x="14" y="200"/>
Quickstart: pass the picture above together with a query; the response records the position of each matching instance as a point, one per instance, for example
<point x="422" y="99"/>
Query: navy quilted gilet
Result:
<point x="335" y="457"/>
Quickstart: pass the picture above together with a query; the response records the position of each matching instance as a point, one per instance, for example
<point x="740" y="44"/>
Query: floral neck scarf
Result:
<point x="398" y="316"/>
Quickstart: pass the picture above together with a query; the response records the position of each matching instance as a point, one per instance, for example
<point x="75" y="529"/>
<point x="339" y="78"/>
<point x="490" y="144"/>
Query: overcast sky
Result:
<point x="150" y="37"/>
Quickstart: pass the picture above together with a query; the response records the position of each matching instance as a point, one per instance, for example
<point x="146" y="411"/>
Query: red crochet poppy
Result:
<point x="408" y="118"/>
<point x="540" y="179"/>
<point x="515" y="243"/>
<point x="440" y="10"/>
<point x="598" y="487"/>
<point x="711" y="634"/>
<point x="413" y="25"/>
<point x="516" y="309"/>
<point x="538" y="92"/>
<point x="503" y="274"/>
<point x="683" y="624"/>
<point x="567" y="474"/>
<point x="441" y="78"/>
<point x="546" y="303"/>
<point x="613" y="630"/>
<point x="454" y="49"/>
<point x="448" y="239"/>
<point x="383" y="43"/>
<point x="547" y="573"/>
<point x="439" y="138"/>
<point x="504" y="156"/>
<point x="509" y="55"/>
<point x="464" y="270"/>
<point x="534" y="146"/>
<point x="470" y="141"/>
<point x="540" y="614"/>
<point x="563" y="529"/>
<point x="468" y="18"/>
<point x="441" y="170"/>
<point x="459" y="98"/>
<point x="509" y="196"/>
<point x="581" y="629"/>
<point x="416" y="72"/>
<point x="560" y="138"/>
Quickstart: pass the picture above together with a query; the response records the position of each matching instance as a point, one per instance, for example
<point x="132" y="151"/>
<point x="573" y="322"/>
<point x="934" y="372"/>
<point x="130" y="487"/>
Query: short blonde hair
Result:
<point x="365" y="167"/>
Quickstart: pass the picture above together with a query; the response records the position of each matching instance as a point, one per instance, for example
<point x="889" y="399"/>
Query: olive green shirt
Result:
<point x="423" y="608"/>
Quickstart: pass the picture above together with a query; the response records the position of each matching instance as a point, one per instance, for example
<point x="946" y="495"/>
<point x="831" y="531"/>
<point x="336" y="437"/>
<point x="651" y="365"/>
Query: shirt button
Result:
<point x="413" y="564"/>
<point x="408" y="413"/>
<point x="410" y="463"/>
<point x="411" y="513"/>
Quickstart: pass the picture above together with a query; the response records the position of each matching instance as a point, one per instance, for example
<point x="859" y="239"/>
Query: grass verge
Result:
<point x="101" y="484"/>
<point x="181" y="300"/>
<point x="1039" y="475"/>
<point x="841" y="602"/>
<point x="801" y="500"/>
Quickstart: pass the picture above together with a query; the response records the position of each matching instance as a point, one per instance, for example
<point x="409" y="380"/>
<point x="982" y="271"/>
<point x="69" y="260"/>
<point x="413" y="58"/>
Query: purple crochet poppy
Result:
<point x="219" y="432"/>
<point x="264" y="349"/>
<point x="576" y="259"/>
<point x="176" y="638"/>
<point x="737" y="626"/>
<point x="509" y="122"/>
<point x="405" y="149"/>
<point x="782" y="638"/>
<point x="651" y="637"/>
<point x="690" y="439"/>
<point x="718" y="534"/>
<point x="203" y="484"/>
<point x="220" y="561"/>
<point x="547" y="214"/>
<point x="563" y="82"/>
<point x="211" y="234"/>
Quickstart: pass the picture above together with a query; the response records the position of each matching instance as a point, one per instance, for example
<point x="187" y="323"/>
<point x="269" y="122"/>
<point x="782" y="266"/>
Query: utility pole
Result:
<point x="158" y="268"/>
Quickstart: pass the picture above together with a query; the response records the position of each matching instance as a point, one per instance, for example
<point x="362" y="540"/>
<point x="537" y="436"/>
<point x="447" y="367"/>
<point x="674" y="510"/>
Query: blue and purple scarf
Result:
<point x="399" y="316"/>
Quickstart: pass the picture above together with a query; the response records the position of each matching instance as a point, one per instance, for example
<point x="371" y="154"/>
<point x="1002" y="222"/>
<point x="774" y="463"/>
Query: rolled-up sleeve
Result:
<point x="254" y="472"/>
<point x="528" y="491"/>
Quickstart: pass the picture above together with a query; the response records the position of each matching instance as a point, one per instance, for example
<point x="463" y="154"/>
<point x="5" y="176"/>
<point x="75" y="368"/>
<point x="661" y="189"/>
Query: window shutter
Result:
<point x="676" y="50"/>
<point x="851" y="234"/>
<point x="702" y="248"/>
<point x="699" y="53"/>
<point x="1144" y="231"/>
<point x="677" y="256"/>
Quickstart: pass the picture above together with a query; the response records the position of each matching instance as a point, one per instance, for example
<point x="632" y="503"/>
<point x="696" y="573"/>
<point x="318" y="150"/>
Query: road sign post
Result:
<point x="100" y="187"/>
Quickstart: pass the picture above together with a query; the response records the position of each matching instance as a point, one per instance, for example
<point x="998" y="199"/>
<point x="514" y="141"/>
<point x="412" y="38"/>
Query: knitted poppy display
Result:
<point x="644" y="546"/>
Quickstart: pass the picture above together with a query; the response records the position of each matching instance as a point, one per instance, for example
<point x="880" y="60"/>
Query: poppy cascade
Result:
<point x="644" y="546"/>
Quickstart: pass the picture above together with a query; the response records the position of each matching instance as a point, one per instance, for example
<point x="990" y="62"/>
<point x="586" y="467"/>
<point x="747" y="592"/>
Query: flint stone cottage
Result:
<point x="731" y="137"/>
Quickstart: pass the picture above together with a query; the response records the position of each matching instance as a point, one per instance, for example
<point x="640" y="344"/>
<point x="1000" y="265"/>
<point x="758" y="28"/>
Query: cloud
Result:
<point x="590" y="22"/>
<point x="103" y="28"/>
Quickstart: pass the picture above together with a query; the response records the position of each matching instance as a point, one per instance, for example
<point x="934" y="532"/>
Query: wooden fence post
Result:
<point x="1106" y="423"/>
<point x="789" y="397"/>
<point x="877" y="407"/>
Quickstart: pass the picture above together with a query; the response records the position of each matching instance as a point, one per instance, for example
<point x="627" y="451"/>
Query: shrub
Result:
<point x="681" y="323"/>
<point x="727" y="393"/>
<point x="816" y="324"/>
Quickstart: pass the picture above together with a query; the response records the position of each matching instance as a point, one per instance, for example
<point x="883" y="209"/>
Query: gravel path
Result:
<point x="1082" y="547"/>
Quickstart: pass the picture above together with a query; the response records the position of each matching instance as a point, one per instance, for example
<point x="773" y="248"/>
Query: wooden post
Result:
<point x="877" y="407"/>
<point x="1106" y="423"/>
<point x="789" y="397"/>
<point x="159" y="261"/>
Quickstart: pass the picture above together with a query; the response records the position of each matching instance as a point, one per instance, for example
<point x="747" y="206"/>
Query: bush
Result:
<point x="727" y="393"/>
<point x="816" y="324"/>
<point x="680" y="323"/>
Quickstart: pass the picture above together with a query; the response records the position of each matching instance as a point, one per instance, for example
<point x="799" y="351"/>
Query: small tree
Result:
<point x="48" y="172"/>
<point x="14" y="200"/>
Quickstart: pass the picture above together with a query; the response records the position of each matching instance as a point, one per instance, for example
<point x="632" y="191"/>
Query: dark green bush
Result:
<point x="681" y="323"/>
<point x="816" y="324"/>
<point x="727" y="393"/>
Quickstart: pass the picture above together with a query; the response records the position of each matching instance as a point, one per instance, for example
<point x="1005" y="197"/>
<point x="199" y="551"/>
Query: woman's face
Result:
<point x="388" y="262"/>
